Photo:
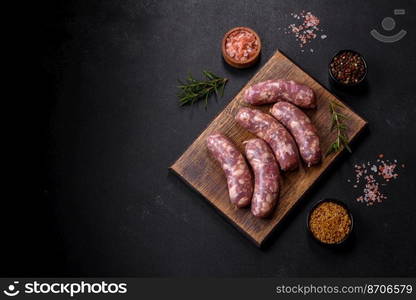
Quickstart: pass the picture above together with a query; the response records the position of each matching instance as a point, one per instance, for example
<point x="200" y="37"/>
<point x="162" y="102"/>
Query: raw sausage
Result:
<point x="239" y="179"/>
<point x="275" y="134"/>
<point x="272" y="91"/>
<point x="302" y="130"/>
<point x="266" y="177"/>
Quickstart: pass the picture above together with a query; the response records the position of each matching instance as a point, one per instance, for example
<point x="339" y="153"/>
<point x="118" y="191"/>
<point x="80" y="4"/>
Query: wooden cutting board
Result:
<point x="202" y="172"/>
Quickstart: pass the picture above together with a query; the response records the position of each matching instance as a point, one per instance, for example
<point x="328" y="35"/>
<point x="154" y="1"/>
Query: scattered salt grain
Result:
<point x="307" y="31"/>
<point x="387" y="171"/>
<point x="383" y="172"/>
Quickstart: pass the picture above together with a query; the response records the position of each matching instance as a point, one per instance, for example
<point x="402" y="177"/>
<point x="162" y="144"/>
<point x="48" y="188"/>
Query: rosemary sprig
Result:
<point x="338" y="124"/>
<point x="193" y="90"/>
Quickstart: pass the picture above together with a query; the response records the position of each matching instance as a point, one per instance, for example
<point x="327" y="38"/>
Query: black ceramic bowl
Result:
<point x="340" y="84"/>
<point x="343" y="241"/>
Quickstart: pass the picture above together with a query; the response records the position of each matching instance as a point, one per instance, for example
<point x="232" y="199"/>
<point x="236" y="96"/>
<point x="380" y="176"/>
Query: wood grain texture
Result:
<point x="202" y="172"/>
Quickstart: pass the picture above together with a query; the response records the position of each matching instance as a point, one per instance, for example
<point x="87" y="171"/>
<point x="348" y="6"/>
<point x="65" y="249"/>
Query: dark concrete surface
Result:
<point x="102" y="202"/>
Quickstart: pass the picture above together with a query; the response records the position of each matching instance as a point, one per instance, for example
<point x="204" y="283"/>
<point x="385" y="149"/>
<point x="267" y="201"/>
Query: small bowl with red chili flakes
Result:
<point x="347" y="69"/>
<point x="241" y="47"/>
<point x="330" y="222"/>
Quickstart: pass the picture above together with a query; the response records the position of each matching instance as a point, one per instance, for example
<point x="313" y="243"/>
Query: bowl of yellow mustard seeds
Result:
<point x="330" y="222"/>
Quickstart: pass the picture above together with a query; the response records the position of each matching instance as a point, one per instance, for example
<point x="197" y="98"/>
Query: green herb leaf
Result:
<point x="193" y="90"/>
<point x="337" y="124"/>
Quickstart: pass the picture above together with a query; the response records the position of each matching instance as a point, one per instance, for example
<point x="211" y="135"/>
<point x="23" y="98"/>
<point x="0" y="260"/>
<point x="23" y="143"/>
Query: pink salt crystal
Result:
<point x="306" y="31"/>
<point x="385" y="171"/>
